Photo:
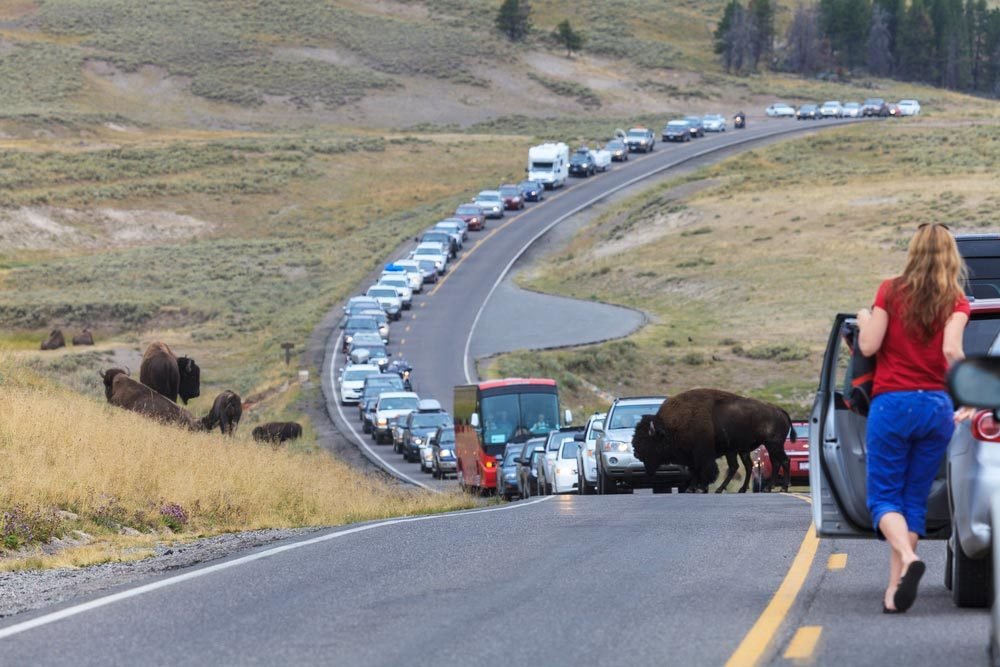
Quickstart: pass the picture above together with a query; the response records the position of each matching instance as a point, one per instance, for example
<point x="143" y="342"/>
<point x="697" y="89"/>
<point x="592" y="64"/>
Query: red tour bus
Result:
<point x="491" y="414"/>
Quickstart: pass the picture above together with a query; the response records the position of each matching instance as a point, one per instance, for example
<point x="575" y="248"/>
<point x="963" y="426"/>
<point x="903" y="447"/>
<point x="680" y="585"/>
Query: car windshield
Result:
<point x="541" y="166"/>
<point x="852" y="105"/>
<point x="579" y="157"/>
<point x="426" y="252"/>
<point x="447" y="437"/>
<point x="376" y="351"/>
<point x="398" y="403"/>
<point x="467" y="210"/>
<point x="614" y="146"/>
<point x="569" y="449"/>
<point x="511" y="454"/>
<point x="358" y="374"/>
<point x="980" y="336"/>
<point x="379" y="317"/>
<point x="637" y="134"/>
<point x="528" y="185"/>
<point x="677" y="124"/>
<point x="394" y="281"/>
<point x="511" y="416"/>
<point x="383" y="382"/>
<point x="556" y="440"/>
<point x="430" y="419"/>
<point x="509" y="190"/>
<point x="488" y="196"/>
<point x="362" y="324"/>
<point x="627" y="416"/>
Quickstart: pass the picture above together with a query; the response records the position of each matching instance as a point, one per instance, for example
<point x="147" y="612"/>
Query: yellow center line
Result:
<point x="756" y="642"/>
<point x="407" y="329"/>
<point x="803" y="643"/>
<point x="836" y="562"/>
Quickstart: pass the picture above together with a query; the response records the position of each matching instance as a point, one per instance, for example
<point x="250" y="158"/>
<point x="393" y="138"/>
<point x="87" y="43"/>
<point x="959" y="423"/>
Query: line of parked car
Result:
<point x="872" y="107"/>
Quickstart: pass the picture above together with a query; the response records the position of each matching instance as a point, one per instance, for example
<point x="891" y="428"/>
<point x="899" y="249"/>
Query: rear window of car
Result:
<point x="627" y="416"/>
<point x="569" y="450"/>
<point x="981" y="335"/>
<point x="398" y="404"/>
<point x="362" y="323"/>
<point x="429" y="419"/>
<point x="354" y="376"/>
<point x="801" y="431"/>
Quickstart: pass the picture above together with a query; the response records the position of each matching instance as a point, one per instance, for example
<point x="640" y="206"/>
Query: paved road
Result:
<point x="569" y="580"/>
<point x="457" y="317"/>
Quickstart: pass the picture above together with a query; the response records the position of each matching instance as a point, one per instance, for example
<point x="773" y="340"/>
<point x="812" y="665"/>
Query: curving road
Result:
<point x="455" y="321"/>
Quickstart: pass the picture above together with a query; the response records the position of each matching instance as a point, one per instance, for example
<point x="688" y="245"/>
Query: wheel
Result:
<point x="661" y="489"/>
<point x="605" y="486"/>
<point x="756" y="482"/>
<point x="971" y="579"/>
<point x="948" y="565"/>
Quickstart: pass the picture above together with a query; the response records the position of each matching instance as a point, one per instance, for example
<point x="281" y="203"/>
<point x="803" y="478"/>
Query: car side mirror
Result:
<point x="598" y="429"/>
<point x="474" y="420"/>
<point x="579" y="437"/>
<point x="975" y="382"/>
<point x="568" y="417"/>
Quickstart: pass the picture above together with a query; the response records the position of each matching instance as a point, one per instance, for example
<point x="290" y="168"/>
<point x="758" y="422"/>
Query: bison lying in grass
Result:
<point x="84" y="338"/>
<point x="696" y="427"/>
<point x="54" y="341"/>
<point x="277" y="432"/>
<point x="124" y="392"/>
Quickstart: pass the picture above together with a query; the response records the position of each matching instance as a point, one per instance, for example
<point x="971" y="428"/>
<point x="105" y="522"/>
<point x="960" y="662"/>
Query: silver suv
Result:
<point x="617" y="466"/>
<point x="959" y="505"/>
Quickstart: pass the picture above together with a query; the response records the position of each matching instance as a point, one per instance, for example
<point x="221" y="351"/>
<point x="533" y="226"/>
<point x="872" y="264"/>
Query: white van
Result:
<point x="549" y="164"/>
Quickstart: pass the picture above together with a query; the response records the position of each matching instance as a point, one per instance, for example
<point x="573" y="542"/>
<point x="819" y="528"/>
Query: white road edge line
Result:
<point x="590" y="202"/>
<point x="361" y="441"/>
<point x="211" y="569"/>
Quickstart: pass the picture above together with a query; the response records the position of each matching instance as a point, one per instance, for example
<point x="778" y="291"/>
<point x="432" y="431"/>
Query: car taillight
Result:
<point x="985" y="427"/>
<point x="491" y="464"/>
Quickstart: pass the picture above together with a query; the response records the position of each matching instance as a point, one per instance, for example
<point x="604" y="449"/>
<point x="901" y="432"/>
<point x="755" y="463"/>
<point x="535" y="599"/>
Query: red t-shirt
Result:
<point x="905" y="364"/>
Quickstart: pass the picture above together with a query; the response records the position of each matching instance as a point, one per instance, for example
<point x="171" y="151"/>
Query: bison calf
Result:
<point x="227" y="409"/>
<point x="276" y="432"/>
<point x="55" y="340"/>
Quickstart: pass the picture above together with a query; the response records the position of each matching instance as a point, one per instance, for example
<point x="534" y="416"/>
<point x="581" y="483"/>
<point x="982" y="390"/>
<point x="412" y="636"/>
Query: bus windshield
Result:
<point x="517" y="417"/>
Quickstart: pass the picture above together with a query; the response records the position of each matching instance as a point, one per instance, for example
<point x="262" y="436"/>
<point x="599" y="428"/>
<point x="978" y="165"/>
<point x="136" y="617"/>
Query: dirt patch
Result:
<point x="326" y="55"/>
<point x="50" y="228"/>
<point x="648" y="232"/>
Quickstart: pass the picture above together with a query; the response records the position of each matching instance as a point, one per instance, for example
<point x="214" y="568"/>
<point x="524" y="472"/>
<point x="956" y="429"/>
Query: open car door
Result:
<point x="837" y="454"/>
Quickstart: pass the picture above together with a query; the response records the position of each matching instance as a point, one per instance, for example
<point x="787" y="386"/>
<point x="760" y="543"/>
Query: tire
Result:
<point x="756" y="482"/>
<point x="948" y="565"/>
<point x="971" y="579"/>
<point x="605" y="487"/>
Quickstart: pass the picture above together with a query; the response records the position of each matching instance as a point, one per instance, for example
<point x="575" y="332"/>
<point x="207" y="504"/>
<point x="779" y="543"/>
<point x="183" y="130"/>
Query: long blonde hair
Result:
<point x="932" y="281"/>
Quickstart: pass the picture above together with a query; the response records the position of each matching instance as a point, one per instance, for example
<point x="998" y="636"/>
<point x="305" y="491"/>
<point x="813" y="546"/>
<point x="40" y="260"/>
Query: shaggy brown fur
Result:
<point x="225" y="413"/>
<point x="170" y="376"/>
<point x="698" y="426"/>
<point x="124" y="392"/>
<point x="276" y="432"/>
<point x="85" y="338"/>
<point x="55" y="340"/>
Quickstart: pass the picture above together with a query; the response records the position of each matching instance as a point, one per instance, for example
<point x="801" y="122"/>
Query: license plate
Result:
<point x="804" y="465"/>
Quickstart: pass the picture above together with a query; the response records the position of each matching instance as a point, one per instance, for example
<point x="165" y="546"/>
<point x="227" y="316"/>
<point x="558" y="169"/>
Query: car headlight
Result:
<point x="417" y="441"/>
<point x="348" y="339"/>
<point x="382" y="421"/>
<point x="615" y="446"/>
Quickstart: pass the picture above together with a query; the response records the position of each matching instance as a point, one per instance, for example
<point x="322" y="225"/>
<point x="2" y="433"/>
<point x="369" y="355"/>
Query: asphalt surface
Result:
<point x="570" y="580"/>
<point x="457" y="320"/>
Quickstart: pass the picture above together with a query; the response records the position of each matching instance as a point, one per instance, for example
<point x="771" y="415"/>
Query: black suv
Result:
<point x="416" y="429"/>
<point x="582" y="163"/>
<point x="875" y="106"/>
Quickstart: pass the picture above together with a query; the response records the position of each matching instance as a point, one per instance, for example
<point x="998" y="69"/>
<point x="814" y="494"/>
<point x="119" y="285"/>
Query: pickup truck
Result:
<point x="587" y="162"/>
<point x="640" y="139"/>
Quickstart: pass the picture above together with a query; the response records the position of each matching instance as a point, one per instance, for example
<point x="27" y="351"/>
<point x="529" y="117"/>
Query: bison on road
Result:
<point x="85" y="338"/>
<point x="124" y="392"/>
<point x="169" y="375"/>
<point x="54" y="341"/>
<point x="227" y="409"/>
<point x="277" y="432"/>
<point x="698" y="426"/>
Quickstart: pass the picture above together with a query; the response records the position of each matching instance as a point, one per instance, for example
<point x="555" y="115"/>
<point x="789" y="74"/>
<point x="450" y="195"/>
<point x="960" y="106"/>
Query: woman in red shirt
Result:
<point x="915" y="330"/>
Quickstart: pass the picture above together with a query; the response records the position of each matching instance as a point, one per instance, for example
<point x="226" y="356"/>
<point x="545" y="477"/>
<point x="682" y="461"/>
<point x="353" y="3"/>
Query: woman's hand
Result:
<point x="963" y="413"/>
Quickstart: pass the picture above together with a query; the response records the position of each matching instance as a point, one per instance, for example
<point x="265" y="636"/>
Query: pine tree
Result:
<point x="569" y="38"/>
<point x="762" y="12"/>
<point x="803" y="51"/>
<point x="514" y="19"/>
<point x="879" y="44"/>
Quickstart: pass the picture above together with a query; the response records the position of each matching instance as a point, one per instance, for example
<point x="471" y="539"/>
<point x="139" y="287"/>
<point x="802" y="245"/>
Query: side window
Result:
<point x="841" y="378"/>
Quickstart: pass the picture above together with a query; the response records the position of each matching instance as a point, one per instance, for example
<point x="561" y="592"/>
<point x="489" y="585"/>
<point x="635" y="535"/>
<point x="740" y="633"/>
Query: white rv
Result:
<point x="549" y="164"/>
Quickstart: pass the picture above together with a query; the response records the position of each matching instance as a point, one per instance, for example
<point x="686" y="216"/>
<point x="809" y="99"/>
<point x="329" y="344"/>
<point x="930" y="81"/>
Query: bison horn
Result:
<point x="104" y="376"/>
<point x="652" y="427"/>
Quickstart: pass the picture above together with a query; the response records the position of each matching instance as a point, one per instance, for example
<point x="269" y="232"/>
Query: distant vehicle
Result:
<point x="532" y="190"/>
<point x="831" y="109"/>
<point x="374" y="354"/>
<point x="527" y="481"/>
<point x="390" y="407"/>
<point x="807" y="112"/>
<point x="545" y="471"/>
<point x="432" y="235"/>
<point x="798" y="459"/>
<point x="364" y="338"/>
<point x="602" y="158"/>
<point x="894" y="110"/>
<point x="640" y="140"/>
<point x="780" y="110"/>
<point x="352" y="325"/>
<point x="512" y="198"/>
<point x="875" y="106"/>
<point x="388" y="298"/>
<point x="491" y="202"/>
<point x="416" y="428"/>
<point x="429" y="268"/>
<point x="549" y="164"/>
<point x="581" y="163"/>
<point x="443" y="452"/>
<point x="473" y="216"/>
<point x="458" y="222"/>
<point x="908" y="107"/>
<point x="564" y="477"/>
<point x="455" y="229"/>
<point x="507" y="473"/>
<point x="852" y="110"/>
<point x="618" y="150"/>
<point x="352" y="379"/>
<point x="356" y="302"/>
<point x="402" y="285"/>
<point x="411" y="270"/>
<point x="617" y="467"/>
<point x="490" y="414"/>
<point x="677" y="130"/>
<point x="697" y="129"/>
<point x="434" y="252"/>
<point x="372" y="388"/>
<point x="586" y="456"/>
<point x="713" y="122"/>
<point x="381" y="319"/>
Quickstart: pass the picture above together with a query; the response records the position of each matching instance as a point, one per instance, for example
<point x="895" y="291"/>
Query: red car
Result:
<point x="798" y="458"/>
<point x="513" y="200"/>
<point x="473" y="216"/>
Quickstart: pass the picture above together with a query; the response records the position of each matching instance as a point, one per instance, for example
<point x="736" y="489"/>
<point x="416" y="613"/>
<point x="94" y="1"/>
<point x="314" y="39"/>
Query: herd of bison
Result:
<point x="163" y="378"/>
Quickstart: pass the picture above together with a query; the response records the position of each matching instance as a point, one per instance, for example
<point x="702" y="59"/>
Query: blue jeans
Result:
<point x="908" y="435"/>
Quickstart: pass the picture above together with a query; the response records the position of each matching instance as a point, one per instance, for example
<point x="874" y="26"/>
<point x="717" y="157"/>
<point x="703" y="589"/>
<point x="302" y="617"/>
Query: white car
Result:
<point x="352" y="380"/>
<point x="780" y="110"/>
<point x="908" y="107"/>
<point x="459" y="224"/>
<point x="388" y="299"/>
<point x="565" y="477"/>
<point x="550" y="467"/>
<point x="586" y="457"/>
<point x="713" y="122"/>
<point x="411" y="269"/>
<point x="390" y="407"/>
<point x="831" y="109"/>
<point x="401" y="283"/>
<point x="852" y="110"/>
<point x="433" y="252"/>
<point x="491" y="202"/>
<point x="454" y="231"/>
